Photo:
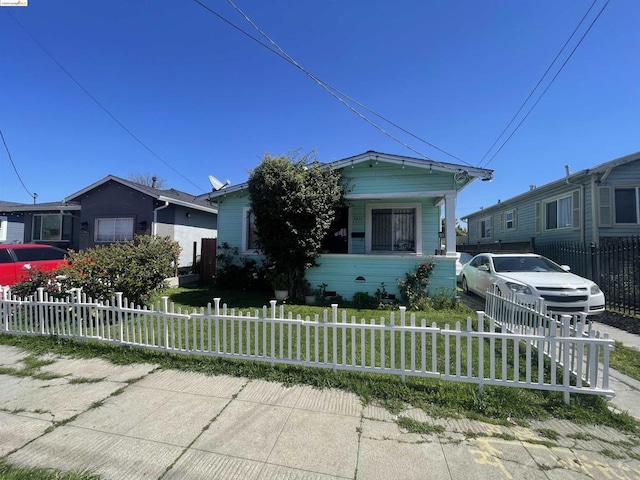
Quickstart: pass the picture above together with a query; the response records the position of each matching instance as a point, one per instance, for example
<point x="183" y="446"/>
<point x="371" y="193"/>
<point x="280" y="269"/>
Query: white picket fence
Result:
<point x="523" y="348"/>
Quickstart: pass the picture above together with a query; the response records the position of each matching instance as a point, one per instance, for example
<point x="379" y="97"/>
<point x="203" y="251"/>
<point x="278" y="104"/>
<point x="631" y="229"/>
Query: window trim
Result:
<point x="245" y="233"/>
<point x="513" y="226"/>
<point x="556" y="199"/>
<point x="369" y="207"/>
<point x="60" y="217"/>
<point x="96" y="229"/>
<point x="489" y="220"/>
<point x="636" y="188"/>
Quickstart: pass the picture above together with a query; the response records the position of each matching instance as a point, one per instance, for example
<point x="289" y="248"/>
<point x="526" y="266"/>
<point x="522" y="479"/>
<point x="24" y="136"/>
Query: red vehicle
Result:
<point x="17" y="259"/>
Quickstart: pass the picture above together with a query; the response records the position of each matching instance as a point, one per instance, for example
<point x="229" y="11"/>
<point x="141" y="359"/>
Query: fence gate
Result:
<point x="208" y="259"/>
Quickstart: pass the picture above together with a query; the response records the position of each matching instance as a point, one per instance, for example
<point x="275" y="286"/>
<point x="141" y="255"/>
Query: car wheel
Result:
<point x="465" y="286"/>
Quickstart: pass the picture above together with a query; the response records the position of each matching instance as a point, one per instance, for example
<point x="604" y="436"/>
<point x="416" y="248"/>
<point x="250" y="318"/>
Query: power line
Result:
<point x="547" y="87"/>
<point x="336" y="93"/>
<point x="95" y="100"/>
<point x="33" y="195"/>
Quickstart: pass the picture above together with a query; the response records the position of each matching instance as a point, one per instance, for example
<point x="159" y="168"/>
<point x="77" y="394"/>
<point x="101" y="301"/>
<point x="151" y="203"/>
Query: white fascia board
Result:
<point x="193" y="206"/>
<point x="396" y="195"/>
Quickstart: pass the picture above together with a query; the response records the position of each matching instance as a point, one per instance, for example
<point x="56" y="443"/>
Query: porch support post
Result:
<point x="450" y="223"/>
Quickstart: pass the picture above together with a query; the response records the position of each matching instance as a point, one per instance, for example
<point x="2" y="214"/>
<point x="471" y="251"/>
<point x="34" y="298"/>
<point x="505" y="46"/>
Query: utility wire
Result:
<point x="113" y="117"/>
<point x="547" y="87"/>
<point x="330" y="89"/>
<point x="32" y="195"/>
<point x="537" y="84"/>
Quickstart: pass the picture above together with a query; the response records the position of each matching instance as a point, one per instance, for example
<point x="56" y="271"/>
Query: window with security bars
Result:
<point x="114" y="230"/>
<point x="393" y="230"/>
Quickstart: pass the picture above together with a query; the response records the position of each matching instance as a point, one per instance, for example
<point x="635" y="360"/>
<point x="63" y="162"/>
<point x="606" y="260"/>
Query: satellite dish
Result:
<point x="217" y="184"/>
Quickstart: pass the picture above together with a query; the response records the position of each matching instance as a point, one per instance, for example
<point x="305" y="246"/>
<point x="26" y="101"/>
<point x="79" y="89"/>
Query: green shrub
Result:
<point x="234" y="272"/>
<point x="414" y="287"/>
<point x="138" y="269"/>
<point x="362" y="300"/>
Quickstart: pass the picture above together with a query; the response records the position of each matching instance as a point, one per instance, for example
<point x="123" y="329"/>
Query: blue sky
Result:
<point x="206" y="99"/>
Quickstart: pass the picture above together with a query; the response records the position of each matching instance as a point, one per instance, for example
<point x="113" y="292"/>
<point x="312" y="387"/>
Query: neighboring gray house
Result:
<point x="52" y="223"/>
<point x="584" y="207"/>
<point x="112" y="210"/>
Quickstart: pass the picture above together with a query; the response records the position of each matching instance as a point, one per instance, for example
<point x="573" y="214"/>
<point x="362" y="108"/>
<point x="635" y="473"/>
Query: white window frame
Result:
<point x="4" y="226"/>
<point x="245" y="232"/>
<point x="637" y="204"/>
<point x="513" y="219"/>
<point x="557" y="200"/>
<point x="382" y="206"/>
<point x="489" y="222"/>
<point x="114" y="239"/>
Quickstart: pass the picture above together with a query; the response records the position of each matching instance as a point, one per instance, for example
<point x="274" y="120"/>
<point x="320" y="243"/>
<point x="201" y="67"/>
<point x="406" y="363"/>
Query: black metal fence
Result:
<point x="614" y="265"/>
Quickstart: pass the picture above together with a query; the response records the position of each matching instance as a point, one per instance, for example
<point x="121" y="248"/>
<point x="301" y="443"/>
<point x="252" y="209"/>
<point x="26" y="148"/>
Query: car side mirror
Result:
<point x="566" y="268"/>
<point x="483" y="268"/>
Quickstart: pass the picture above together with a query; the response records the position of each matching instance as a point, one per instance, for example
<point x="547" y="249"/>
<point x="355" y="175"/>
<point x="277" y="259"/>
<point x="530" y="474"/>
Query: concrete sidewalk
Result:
<point x="130" y="422"/>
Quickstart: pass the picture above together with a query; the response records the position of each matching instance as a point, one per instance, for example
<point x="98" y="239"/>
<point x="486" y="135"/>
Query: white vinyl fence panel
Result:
<point x="499" y="348"/>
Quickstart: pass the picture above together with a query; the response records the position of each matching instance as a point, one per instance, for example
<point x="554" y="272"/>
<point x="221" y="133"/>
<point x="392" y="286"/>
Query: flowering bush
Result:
<point x="414" y="287"/>
<point x="137" y="269"/>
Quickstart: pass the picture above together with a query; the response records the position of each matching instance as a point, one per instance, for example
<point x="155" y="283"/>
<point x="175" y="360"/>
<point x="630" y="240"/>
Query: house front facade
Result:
<point x="583" y="207"/>
<point x="112" y="210"/>
<point x="391" y="223"/>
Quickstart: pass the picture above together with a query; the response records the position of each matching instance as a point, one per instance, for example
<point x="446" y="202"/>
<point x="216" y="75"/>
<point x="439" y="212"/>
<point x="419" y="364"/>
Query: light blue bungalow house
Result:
<point x="391" y="224"/>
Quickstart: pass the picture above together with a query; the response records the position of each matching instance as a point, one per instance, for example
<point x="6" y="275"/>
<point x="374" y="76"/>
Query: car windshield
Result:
<point x="525" y="264"/>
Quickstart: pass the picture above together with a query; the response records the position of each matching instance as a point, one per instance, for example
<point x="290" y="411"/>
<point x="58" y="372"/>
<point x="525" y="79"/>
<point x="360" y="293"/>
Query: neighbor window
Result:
<point x="558" y="213"/>
<point x="114" y="229"/>
<point x="484" y="228"/>
<point x="393" y="228"/>
<point x="51" y="227"/>
<point x="510" y="220"/>
<point x="627" y="205"/>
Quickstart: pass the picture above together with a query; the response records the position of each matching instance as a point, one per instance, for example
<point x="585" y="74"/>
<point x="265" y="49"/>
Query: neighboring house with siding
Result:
<point x="391" y="222"/>
<point x="112" y="210"/>
<point x="583" y="207"/>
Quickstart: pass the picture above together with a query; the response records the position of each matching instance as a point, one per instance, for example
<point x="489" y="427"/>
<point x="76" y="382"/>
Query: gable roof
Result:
<point x="602" y="168"/>
<point x="38" y="207"/>
<point x="171" y="195"/>
<point x="467" y="173"/>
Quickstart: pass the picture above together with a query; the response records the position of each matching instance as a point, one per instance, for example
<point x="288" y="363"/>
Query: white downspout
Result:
<point x="154" y="227"/>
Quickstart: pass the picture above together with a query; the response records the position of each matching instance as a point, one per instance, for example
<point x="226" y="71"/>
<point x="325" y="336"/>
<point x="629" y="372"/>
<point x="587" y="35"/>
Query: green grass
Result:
<point x="436" y="397"/>
<point x="14" y="472"/>
<point x="626" y="360"/>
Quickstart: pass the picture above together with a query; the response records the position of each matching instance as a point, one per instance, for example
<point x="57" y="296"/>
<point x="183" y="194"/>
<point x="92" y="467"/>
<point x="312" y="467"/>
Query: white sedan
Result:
<point x="533" y="276"/>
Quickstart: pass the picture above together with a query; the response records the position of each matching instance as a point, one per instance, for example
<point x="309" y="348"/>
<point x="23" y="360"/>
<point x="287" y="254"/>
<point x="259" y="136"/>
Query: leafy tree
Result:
<point x="294" y="200"/>
<point x="148" y="180"/>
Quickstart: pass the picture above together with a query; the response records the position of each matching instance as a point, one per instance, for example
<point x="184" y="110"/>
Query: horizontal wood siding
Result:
<point x="340" y="273"/>
<point x="627" y="175"/>
<point x="230" y="218"/>
<point x="369" y="178"/>
<point x="526" y="217"/>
